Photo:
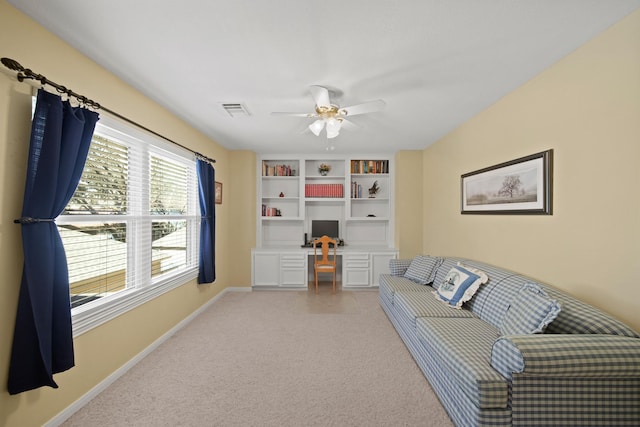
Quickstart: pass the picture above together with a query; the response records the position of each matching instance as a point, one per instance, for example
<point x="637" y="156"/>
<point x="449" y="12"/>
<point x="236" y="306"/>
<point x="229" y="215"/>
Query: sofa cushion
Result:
<point x="422" y="269"/>
<point x="530" y="312"/>
<point x="460" y="285"/>
<point x="414" y="305"/>
<point x="397" y="267"/>
<point x="389" y="285"/>
<point x="462" y="348"/>
<point x="577" y="317"/>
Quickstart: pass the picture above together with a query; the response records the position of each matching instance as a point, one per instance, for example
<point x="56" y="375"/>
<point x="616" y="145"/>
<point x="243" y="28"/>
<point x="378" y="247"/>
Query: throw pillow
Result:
<point x="530" y="312"/>
<point x="421" y="269"/>
<point x="460" y="285"/>
<point x="397" y="267"/>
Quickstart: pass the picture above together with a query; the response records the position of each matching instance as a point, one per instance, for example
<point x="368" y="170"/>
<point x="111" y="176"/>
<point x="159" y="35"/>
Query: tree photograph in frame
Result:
<point x="218" y="192"/>
<point x="520" y="186"/>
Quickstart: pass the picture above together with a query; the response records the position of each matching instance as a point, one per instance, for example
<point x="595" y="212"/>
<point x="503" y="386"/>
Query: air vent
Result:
<point x="236" y="110"/>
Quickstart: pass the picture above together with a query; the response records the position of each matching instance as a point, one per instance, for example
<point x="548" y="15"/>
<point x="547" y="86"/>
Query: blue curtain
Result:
<point x="43" y="339"/>
<point x="206" y="190"/>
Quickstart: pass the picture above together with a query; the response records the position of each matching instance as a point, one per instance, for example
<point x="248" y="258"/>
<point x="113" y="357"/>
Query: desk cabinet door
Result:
<point x="355" y="269"/>
<point x="380" y="265"/>
<point x="266" y="269"/>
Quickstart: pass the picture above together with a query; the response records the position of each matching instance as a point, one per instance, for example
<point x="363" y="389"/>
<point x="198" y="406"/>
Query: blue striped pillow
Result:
<point x="530" y="312"/>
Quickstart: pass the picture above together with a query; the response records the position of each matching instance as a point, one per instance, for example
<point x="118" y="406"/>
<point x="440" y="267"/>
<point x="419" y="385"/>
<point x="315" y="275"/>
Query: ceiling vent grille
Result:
<point x="236" y="110"/>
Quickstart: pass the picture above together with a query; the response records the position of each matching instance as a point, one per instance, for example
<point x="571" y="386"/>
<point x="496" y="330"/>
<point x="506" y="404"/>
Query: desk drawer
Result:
<point x="356" y="264"/>
<point x="293" y="256"/>
<point x="356" y="260"/>
<point x="356" y="256"/>
<point x="292" y="260"/>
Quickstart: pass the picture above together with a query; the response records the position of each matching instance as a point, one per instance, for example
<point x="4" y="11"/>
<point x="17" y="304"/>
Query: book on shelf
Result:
<point x="356" y="190"/>
<point x="369" y="166"/>
<point x="270" y="211"/>
<point x="277" y="170"/>
<point x="324" y="190"/>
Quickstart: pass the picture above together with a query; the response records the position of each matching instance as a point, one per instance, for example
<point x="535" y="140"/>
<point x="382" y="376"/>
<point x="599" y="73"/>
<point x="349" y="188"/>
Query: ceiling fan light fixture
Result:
<point x="316" y="127"/>
<point x="333" y="125"/>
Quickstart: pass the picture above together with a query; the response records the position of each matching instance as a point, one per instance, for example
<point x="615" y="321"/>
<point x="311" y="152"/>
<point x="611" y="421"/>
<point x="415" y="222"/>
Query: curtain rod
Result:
<point x="26" y="73"/>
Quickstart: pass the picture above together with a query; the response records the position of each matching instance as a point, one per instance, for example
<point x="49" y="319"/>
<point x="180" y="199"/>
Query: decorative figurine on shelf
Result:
<point x="374" y="189"/>
<point x="324" y="169"/>
<point x="281" y="194"/>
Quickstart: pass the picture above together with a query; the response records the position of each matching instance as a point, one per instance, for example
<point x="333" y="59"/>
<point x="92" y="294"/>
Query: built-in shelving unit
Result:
<point x="293" y="191"/>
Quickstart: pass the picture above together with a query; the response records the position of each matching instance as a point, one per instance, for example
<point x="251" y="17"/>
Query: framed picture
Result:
<point x="218" y="192"/>
<point x="520" y="186"/>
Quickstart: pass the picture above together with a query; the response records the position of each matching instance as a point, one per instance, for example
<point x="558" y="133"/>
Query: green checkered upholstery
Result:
<point x="414" y="305"/>
<point x="463" y="348"/>
<point x="574" y="401"/>
<point x="577" y="317"/>
<point x="389" y="285"/>
<point x="422" y="269"/>
<point x="399" y="266"/>
<point x="583" y="370"/>
<point x="604" y="356"/>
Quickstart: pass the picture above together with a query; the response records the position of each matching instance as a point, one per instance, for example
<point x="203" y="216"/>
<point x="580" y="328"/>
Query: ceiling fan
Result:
<point x="331" y="116"/>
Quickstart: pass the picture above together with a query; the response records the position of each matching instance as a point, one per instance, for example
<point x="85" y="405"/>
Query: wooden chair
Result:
<point x="326" y="264"/>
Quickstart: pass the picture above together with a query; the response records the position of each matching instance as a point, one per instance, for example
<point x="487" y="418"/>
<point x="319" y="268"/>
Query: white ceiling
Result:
<point x="436" y="63"/>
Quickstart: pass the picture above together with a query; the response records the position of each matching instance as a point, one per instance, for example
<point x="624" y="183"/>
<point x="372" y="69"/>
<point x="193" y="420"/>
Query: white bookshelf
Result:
<point x="301" y="194"/>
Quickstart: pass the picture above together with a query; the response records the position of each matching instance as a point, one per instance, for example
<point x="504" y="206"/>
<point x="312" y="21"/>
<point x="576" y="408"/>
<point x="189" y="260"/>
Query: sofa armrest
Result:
<point x="397" y="267"/>
<point x="550" y="355"/>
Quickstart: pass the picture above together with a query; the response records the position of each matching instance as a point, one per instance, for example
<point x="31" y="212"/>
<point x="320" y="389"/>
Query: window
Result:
<point x="130" y="231"/>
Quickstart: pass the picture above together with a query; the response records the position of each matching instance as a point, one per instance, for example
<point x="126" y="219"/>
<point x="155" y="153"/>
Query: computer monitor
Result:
<point x="324" y="227"/>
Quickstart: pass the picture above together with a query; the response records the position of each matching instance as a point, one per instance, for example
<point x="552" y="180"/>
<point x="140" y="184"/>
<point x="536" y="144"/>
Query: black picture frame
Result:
<point x="518" y="187"/>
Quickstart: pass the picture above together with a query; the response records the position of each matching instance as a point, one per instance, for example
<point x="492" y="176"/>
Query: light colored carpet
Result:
<point x="327" y="302"/>
<point x="275" y="359"/>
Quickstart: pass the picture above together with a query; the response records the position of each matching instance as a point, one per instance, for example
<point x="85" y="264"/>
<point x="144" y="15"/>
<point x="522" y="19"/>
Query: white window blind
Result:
<point x="130" y="231"/>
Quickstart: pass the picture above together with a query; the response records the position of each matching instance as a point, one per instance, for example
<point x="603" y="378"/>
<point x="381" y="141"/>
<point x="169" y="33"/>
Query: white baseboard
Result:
<point x="78" y="404"/>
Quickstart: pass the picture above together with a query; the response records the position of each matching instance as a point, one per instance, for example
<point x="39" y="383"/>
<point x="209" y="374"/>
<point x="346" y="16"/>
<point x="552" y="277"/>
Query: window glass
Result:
<point x="169" y="246"/>
<point x="168" y="194"/>
<point x="96" y="258"/>
<point x="103" y="186"/>
<point x="132" y="223"/>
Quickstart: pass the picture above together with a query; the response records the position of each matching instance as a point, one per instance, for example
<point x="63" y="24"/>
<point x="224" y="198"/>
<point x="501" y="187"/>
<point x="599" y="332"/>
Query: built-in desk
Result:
<point x="292" y="267"/>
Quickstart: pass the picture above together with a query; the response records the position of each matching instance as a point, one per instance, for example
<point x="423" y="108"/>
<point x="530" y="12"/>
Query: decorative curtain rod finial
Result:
<point x="12" y="64"/>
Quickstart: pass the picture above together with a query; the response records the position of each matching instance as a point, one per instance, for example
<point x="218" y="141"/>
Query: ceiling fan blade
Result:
<point x="320" y="96"/>
<point x="349" y="125"/>
<point x="308" y="115"/>
<point x="365" y="107"/>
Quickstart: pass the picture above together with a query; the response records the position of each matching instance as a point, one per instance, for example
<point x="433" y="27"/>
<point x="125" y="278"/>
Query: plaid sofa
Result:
<point x="583" y="370"/>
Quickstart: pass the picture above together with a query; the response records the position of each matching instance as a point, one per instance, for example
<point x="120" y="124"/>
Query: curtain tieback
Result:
<point x="28" y="220"/>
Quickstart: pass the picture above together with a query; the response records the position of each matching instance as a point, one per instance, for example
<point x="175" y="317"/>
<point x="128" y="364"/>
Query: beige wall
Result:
<point x="242" y="190"/>
<point x="106" y="348"/>
<point x="586" y="108"/>
<point x="408" y="203"/>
